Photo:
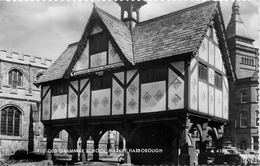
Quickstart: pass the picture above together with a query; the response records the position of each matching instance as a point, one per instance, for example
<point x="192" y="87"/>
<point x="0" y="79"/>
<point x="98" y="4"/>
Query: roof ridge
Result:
<point x="176" y="12"/>
<point x="109" y="15"/>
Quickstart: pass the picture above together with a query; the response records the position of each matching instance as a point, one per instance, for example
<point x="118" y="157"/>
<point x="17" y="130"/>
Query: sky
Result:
<point x="46" y="28"/>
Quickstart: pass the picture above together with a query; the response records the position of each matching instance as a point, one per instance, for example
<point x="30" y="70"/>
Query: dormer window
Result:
<point x="98" y="43"/>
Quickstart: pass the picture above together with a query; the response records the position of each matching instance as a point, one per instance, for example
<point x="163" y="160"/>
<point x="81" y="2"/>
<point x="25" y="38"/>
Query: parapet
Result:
<point x="26" y="59"/>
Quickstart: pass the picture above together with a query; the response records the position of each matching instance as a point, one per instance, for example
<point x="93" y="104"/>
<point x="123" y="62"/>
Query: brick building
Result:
<point x="244" y="92"/>
<point x="18" y="101"/>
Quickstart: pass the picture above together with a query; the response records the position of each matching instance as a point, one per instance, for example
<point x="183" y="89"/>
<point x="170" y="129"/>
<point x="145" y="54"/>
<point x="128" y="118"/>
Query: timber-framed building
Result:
<point x="157" y="82"/>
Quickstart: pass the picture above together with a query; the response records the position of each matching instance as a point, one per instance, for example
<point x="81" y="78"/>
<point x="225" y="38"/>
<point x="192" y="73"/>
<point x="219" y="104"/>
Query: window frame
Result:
<point x="95" y="37"/>
<point x="245" y="96"/>
<point x="154" y="74"/>
<point x="243" y="118"/>
<point x="203" y="72"/>
<point x="15" y="78"/>
<point x="218" y="80"/>
<point x="14" y="124"/>
<point x="104" y="82"/>
<point x="59" y="88"/>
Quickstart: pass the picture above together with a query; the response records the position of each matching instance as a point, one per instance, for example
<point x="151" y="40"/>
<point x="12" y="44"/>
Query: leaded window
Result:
<point x="10" y="121"/>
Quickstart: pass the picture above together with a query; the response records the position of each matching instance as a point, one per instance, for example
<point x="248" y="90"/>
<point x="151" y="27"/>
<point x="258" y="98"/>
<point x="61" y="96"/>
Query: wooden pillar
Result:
<point x="96" y="154"/>
<point x="186" y="148"/>
<point x="72" y="145"/>
<point x="202" y="157"/>
<point x="49" y="148"/>
<point x="84" y="155"/>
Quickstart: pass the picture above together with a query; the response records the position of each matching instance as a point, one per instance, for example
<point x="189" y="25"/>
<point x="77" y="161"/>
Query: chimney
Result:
<point x="130" y="7"/>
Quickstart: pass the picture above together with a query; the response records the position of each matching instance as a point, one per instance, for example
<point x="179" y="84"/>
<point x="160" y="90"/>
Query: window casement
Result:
<point x="98" y="43"/>
<point x="15" y="78"/>
<point x="243" y="96"/>
<point x="153" y="74"/>
<point x="243" y="145"/>
<point x="203" y="72"/>
<point x="59" y="88"/>
<point x="256" y="118"/>
<point x="243" y="119"/>
<point x="10" y="121"/>
<point x="255" y="142"/>
<point x="218" y="80"/>
<point x="101" y="82"/>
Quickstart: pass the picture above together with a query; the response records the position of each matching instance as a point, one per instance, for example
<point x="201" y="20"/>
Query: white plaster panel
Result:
<point x="218" y="59"/>
<point x="132" y="100"/>
<point x="83" y="62"/>
<point x="193" y="63"/>
<point x="75" y="84"/>
<point x="113" y="56"/>
<point x="211" y="76"/>
<point x="83" y="83"/>
<point x="44" y="90"/>
<point x="179" y="66"/>
<point x="130" y="74"/>
<point x="59" y="107"/>
<point x="100" y="102"/>
<point x="175" y="91"/>
<point x="203" y="97"/>
<point x="84" y="101"/>
<point x="120" y="76"/>
<point x="96" y="29"/>
<point x="225" y="100"/>
<point x="214" y="36"/>
<point x="46" y="105"/>
<point x="203" y="51"/>
<point x="193" y="98"/>
<point x="99" y="59"/>
<point x="153" y="97"/>
<point x="211" y="53"/>
<point x="117" y="99"/>
<point x="211" y="101"/>
<point x="73" y="104"/>
<point x="218" y="103"/>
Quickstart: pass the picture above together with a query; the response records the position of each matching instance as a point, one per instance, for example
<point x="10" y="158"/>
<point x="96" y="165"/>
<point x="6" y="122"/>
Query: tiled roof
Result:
<point x="58" y="68"/>
<point x="169" y="35"/>
<point x="173" y="34"/>
<point x="119" y="32"/>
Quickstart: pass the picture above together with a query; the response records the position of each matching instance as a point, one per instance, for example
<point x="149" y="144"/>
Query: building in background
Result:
<point x="242" y="130"/>
<point x="18" y="101"/>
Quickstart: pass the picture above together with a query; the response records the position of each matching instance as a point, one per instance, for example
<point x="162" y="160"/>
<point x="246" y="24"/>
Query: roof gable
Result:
<point x="172" y="34"/>
<point x="176" y="34"/>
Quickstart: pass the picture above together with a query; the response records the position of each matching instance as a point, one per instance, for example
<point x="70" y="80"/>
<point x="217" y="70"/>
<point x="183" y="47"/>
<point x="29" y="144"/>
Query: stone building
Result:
<point x="19" y="112"/>
<point x="242" y="131"/>
<point x="156" y="82"/>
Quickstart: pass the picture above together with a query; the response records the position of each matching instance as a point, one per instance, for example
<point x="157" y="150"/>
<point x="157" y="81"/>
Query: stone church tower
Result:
<point x="244" y="92"/>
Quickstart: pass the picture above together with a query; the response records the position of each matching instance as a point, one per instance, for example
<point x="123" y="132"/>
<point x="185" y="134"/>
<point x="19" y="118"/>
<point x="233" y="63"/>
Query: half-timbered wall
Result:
<point x="209" y="94"/>
<point x="136" y="91"/>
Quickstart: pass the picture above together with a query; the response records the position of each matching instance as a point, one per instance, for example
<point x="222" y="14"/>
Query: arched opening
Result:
<point x="111" y="144"/>
<point x="154" y="143"/>
<point x="11" y="121"/>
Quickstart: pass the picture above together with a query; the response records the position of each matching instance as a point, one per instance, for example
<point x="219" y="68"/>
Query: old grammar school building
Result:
<point x="164" y="84"/>
<point x="157" y="82"/>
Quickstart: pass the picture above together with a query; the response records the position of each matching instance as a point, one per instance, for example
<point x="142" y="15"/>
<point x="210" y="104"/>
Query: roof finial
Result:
<point x="235" y="7"/>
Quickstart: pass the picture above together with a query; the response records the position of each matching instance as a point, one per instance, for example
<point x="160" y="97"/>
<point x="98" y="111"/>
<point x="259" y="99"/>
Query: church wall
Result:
<point x="21" y="97"/>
